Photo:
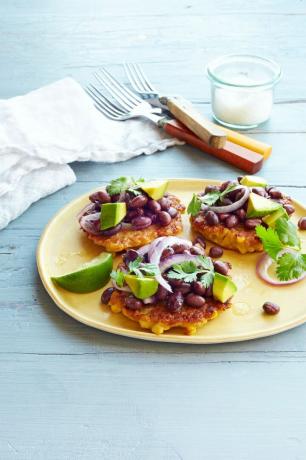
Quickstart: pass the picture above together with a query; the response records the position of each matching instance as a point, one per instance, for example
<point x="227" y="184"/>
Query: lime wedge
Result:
<point x="89" y="277"/>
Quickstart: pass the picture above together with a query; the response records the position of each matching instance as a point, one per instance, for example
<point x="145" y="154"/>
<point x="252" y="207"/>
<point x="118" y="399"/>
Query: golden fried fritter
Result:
<point x="159" y="319"/>
<point x="126" y="239"/>
<point x="238" y="238"/>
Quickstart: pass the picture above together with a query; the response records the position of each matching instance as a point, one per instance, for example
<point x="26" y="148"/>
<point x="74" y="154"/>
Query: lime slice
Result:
<point x="91" y="276"/>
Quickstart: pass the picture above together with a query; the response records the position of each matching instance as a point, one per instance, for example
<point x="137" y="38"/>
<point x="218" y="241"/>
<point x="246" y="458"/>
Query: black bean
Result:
<point x="271" y="308"/>
<point x="241" y="214"/>
<point x="223" y="216"/>
<point x="175" y="283"/>
<point x="130" y="255"/>
<point x="100" y="197"/>
<point x="198" y="288"/>
<point x="252" y="223"/>
<point x="224" y="185"/>
<point x="200" y="240"/>
<point x="259" y="191"/>
<point x="175" y="301"/>
<point x="132" y="303"/>
<point x="154" y="206"/>
<point x="184" y="288"/>
<point x="289" y="209"/>
<point x="231" y="221"/>
<point x="139" y="223"/>
<point x="197" y="250"/>
<point x="115" y="197"/>
<point x="179" y="248"/>
<point x="275" y="194"/>
<point x="168" y="252"/>
<point x="165" y="203"/>
<point x="235" y="195"/>
<point x="209" y="291"/>
<point x="194" y="300"/>
<point x="173" y="212"/>
<point x="152" y="216"/>
<point x="215" y="252"/>
<point x="138" y="202"/>
<point x="211" y="188"/>
<point x="221" y="267"/>
<point x="302" y="223"/>
<point x="226" y="201"/>
<point x="134" y="213"/>
<point x="162" y="293"/>
<point x="112" y="231"/>
<point x="106" y="295"/>
<point x="211" y="218"/>
<point x="163" y="218"/>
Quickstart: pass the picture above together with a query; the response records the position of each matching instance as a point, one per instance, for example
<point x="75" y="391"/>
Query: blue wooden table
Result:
<point x="68" y="392"/>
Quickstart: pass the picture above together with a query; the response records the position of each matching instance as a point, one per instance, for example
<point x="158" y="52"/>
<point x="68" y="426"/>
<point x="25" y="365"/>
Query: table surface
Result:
<point x="71" y="392"/>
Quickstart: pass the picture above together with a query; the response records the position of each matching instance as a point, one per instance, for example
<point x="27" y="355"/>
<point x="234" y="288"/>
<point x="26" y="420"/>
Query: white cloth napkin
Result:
<point x="43" y="131"/>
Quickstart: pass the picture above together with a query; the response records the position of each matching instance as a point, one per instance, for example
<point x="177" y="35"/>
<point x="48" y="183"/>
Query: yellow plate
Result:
<point x="63" y="248"/>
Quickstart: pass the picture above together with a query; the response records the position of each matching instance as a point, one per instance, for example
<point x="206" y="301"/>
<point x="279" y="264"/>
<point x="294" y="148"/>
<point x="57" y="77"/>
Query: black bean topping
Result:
<point x="271" y="308"/>
<point x="215" y="252"/>
<point x="302" y="223"/>
<point x="106" y="295"/>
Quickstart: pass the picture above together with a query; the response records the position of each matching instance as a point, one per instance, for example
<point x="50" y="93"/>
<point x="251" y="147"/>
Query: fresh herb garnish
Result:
<point x="289" y="265"/>
<point x="287" y="233"/>
<point x="270" y="240"/>
<point x="140" y="268"/>
<point x="123" y="184"/>
<point x="118" y="277"/>
<point x="188" y="271"/>
<point x="208" y="199"/>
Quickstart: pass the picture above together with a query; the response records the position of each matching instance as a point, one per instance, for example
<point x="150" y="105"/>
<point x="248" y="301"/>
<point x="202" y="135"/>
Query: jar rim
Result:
<point x="267" y="62"/>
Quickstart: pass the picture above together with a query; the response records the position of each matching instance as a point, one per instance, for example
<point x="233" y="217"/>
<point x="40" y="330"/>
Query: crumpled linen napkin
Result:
<point x="44" y="130"/>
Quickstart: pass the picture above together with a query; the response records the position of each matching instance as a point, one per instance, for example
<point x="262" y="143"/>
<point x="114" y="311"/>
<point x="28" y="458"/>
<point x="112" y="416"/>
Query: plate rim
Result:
<point x="147" y="335"/>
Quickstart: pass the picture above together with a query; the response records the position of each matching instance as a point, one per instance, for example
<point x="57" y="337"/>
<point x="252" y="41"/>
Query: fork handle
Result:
<point x="239" y="156"/>
<point x="185" y="112"/>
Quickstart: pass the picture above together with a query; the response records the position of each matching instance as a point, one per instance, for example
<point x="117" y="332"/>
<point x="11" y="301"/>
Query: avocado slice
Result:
<point x="223" y="288"/>
<point x="142" y="287"/>
<point x="253" y="181"/>
<point x="259" y="206"/>
<point x="272" y="218"/>
<point x="112" y="214"/>
<point x="155" y="189"/>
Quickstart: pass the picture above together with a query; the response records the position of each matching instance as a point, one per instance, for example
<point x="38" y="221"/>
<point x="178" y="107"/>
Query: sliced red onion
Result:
<point x="264" y="263"/>
<point x="123" y="288"/>
<point x="126" y="226"/>
<point x="144" y="250"/>
<point x="148" y="300"/>
<point x="91" y="223"/>
<point x="155" y="253"/>
<point x="85" y="210"/>
<point x="176" y="259"/>
<point x="234" y="206"/>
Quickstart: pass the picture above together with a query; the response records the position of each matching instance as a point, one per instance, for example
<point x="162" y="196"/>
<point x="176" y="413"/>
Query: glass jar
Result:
<point x="242" y="88"/>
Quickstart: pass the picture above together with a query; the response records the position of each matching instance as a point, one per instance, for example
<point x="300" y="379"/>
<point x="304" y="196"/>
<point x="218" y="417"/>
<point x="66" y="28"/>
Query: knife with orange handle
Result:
<point x="237" y="155"/>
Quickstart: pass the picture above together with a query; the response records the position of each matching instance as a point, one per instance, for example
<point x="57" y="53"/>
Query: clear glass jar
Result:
<point x="242" y="88"/>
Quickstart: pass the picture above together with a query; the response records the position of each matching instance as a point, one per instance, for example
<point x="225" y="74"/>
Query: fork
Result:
<point x="182" y="109"/>
<point x="126" y="105"/>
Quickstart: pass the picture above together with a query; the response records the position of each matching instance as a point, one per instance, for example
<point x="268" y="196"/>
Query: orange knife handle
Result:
<point x="239" y="156"/>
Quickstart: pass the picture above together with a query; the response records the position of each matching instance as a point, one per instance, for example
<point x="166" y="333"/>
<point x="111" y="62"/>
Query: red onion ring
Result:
<point x="89" y="223"/>
<point x="88" y="207"/>
<point x="234" y="206"/>
<point x="176" y="259"/>
<point x="264" y="263"/>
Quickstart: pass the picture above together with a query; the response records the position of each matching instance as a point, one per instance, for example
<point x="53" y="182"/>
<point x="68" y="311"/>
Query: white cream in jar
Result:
<point x="242" y="89"/>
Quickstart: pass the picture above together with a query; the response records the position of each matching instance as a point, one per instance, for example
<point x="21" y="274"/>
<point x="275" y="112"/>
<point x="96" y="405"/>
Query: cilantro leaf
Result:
<point x="122" y="184"/>
<point x="188" y="271"/>
<point x="270" y="240"/>
<point x="209" y="199"/>
<point x="118" y="277"/>
<point x="139" y="268"/>
<point x="290" y="266"/>
<point x="195" y="205"/>
<point x="287" y="232"/>
<point x="207" y="279"/>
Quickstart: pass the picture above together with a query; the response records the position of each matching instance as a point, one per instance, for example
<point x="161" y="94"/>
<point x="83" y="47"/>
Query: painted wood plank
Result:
<point x="161" y="407"/>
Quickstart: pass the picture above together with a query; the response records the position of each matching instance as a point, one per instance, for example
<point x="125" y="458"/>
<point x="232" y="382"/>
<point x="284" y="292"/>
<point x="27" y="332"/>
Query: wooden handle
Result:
<point x="242" y="158"/>
<point x="185" y="112"/>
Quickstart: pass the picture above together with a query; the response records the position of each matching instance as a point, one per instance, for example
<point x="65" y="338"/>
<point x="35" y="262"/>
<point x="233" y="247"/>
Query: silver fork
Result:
<point x="182" y="109"/>
<point x="125" y="105"/>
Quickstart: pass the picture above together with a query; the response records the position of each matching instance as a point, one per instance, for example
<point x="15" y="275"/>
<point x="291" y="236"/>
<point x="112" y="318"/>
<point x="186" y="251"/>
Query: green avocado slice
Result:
<point x="253" y="181"/>
<point x="141" y="287"/>
<point x="223" y="288"/>
<point x="112" y="214"/>
<point x="259" y="206"/>
<point x="155" y="189"/>
<point x="270" y="219"/>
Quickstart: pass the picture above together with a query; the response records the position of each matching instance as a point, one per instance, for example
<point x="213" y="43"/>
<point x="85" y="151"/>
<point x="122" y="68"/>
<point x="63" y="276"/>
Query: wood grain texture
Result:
<point x="68" y="392"/>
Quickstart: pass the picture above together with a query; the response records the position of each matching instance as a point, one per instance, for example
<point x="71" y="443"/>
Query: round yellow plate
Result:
<point x="63" y="248"/>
